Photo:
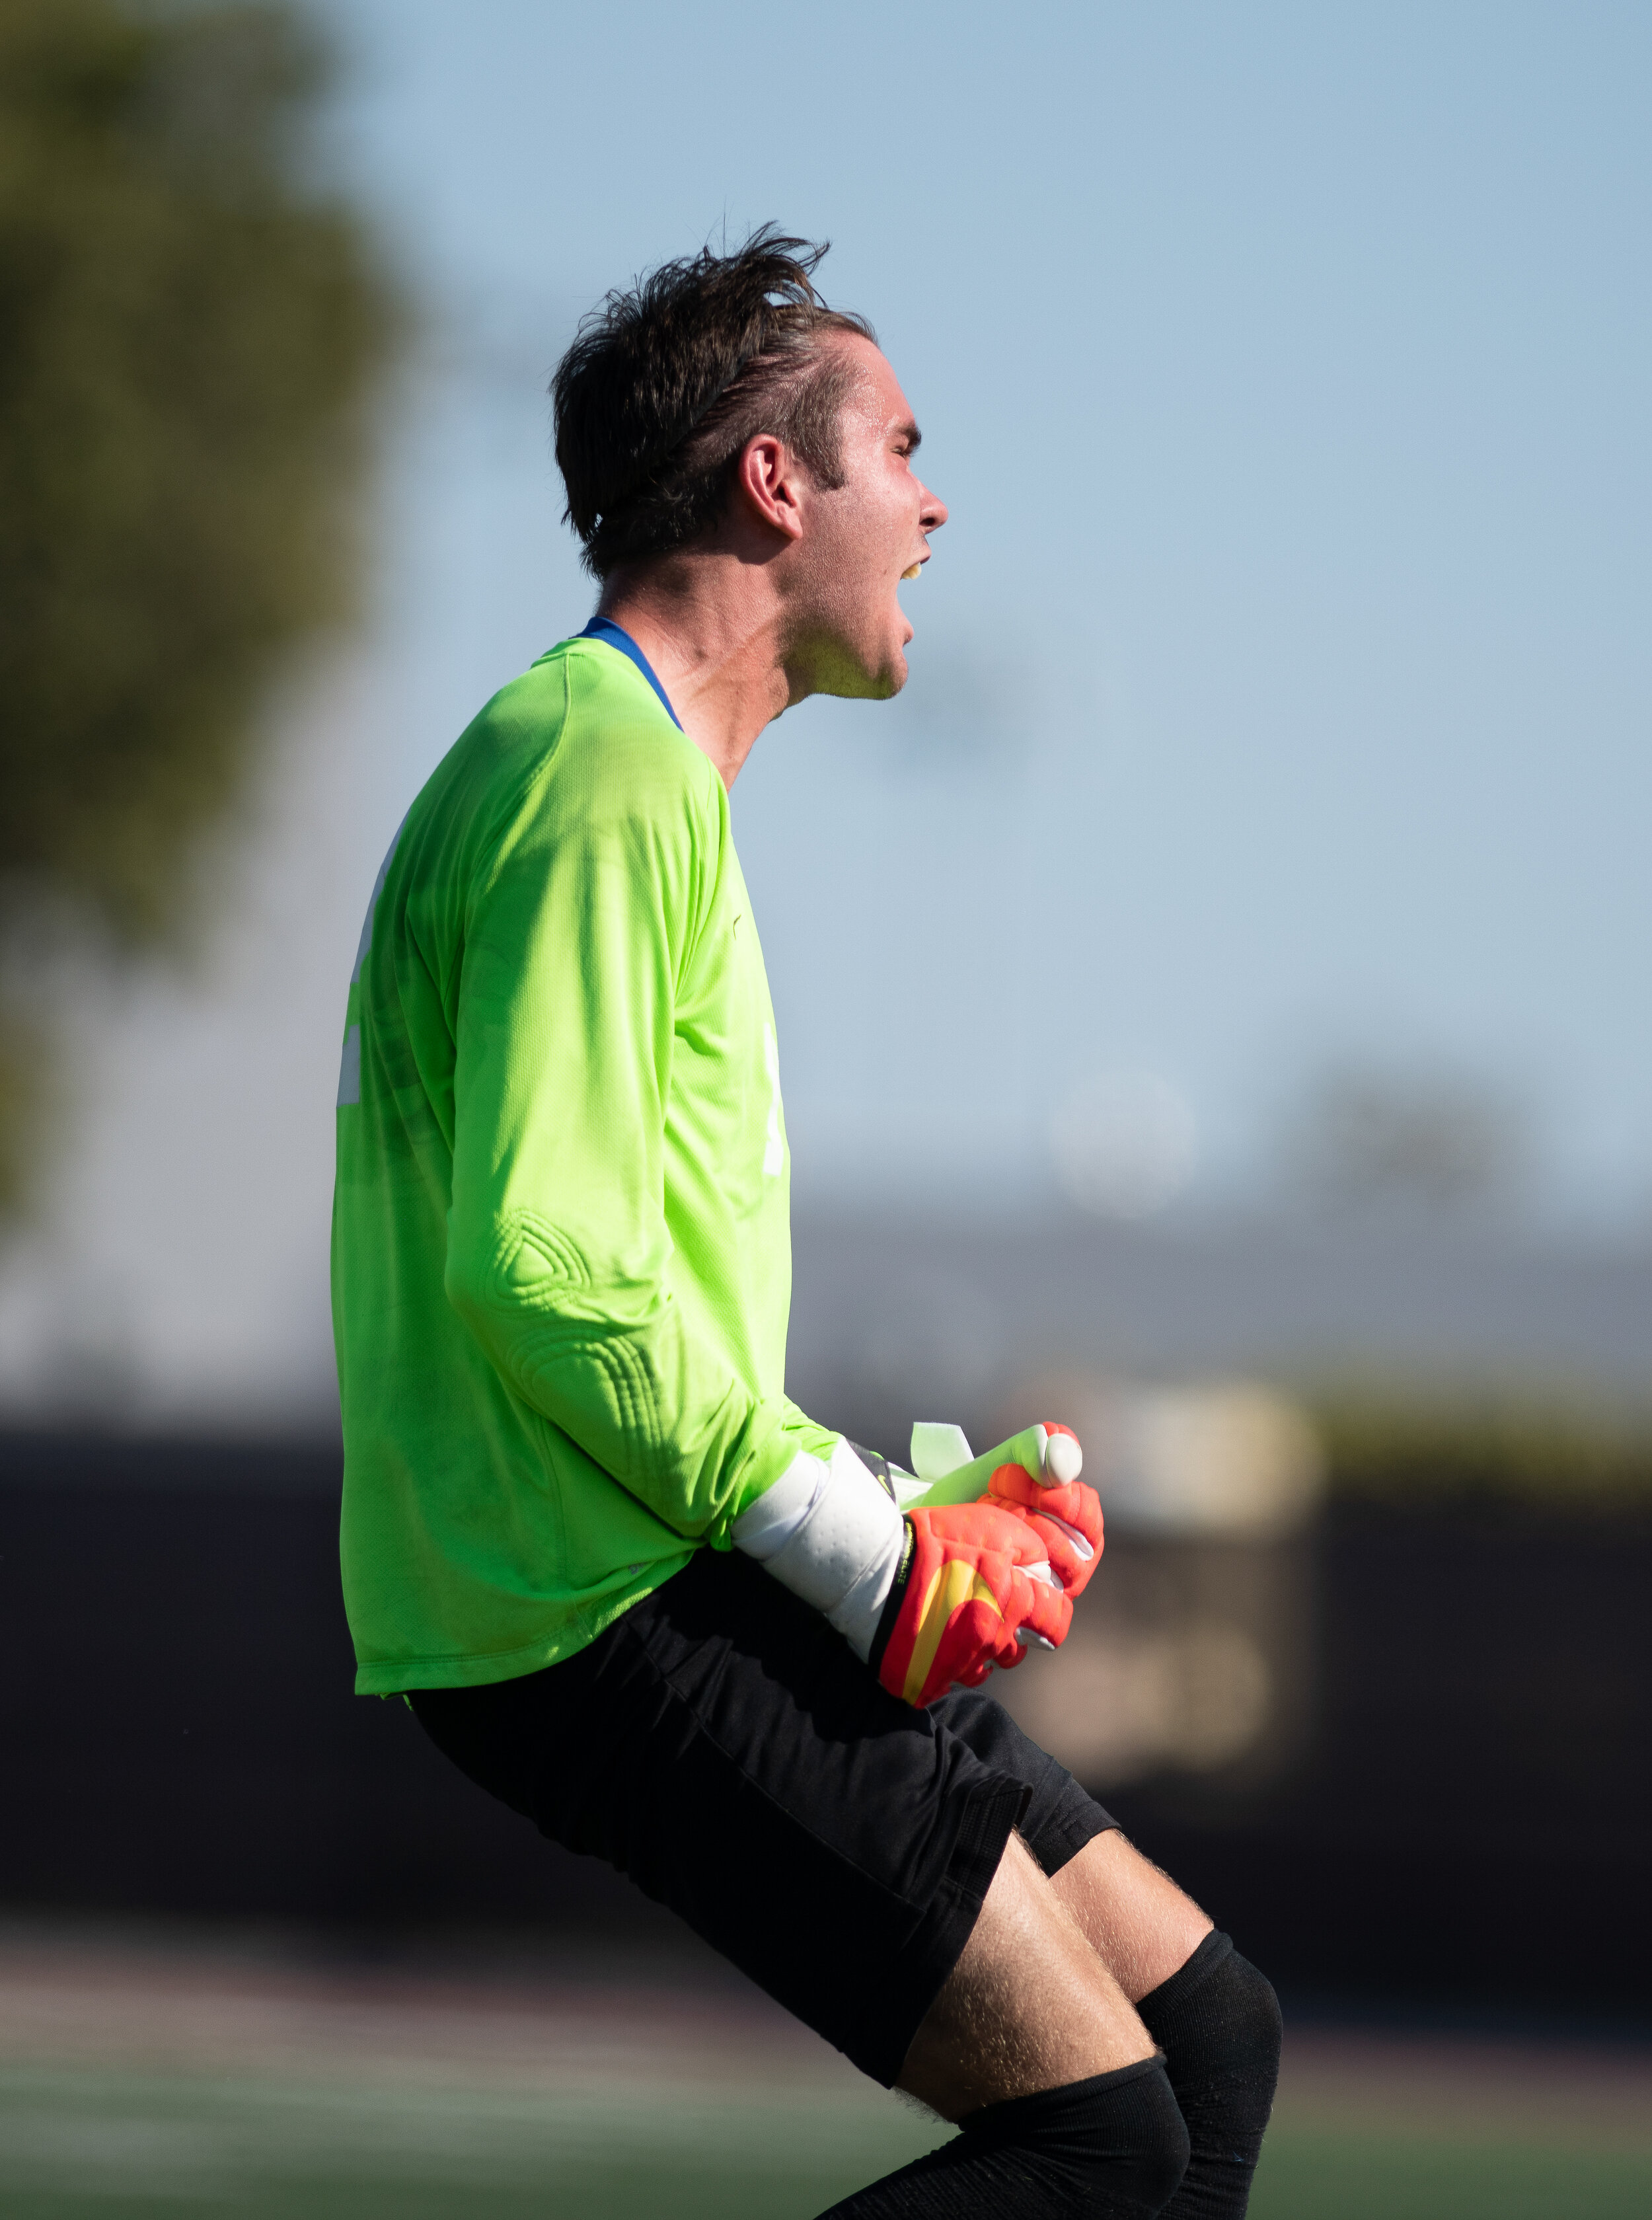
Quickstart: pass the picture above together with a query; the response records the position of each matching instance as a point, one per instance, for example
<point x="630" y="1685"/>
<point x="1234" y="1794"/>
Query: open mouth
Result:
<point x="911" y="569"/>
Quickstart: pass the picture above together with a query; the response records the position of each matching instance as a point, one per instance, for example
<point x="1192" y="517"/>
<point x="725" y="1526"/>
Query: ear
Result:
<point x="767" y="480"/>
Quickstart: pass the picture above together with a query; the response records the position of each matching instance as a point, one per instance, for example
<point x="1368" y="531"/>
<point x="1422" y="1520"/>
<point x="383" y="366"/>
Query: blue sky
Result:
<point x="1281" y="685"/>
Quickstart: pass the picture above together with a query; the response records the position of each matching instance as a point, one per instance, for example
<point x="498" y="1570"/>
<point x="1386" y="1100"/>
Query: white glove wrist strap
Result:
<point x="831" y="1535"/>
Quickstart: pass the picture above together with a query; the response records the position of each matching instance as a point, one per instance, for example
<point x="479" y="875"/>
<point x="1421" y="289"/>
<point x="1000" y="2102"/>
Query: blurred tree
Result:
<point x="188" y="340"/>
<point x="1370" y="1138"/>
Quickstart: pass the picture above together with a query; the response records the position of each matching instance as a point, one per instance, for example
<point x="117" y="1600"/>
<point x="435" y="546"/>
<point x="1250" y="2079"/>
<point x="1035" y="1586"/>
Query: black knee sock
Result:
<point x="1109" y="2148"/>
<point x="1218" y="2023"/>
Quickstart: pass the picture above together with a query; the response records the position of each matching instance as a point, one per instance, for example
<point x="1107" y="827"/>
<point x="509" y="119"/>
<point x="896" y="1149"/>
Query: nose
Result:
<point x="932" y="512"/>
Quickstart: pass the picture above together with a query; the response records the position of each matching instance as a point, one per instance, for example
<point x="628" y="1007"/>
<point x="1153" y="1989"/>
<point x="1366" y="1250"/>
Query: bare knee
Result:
<point x="1029" y="2006"/>
<point x="1135" y="1919"/>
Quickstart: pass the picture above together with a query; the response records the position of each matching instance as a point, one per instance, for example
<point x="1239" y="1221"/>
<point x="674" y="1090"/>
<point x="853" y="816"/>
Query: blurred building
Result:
<point x="894" y="1320"/>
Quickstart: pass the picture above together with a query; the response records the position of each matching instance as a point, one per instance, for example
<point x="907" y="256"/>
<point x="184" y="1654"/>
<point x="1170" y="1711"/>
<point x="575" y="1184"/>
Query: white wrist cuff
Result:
<point x="831" y="1535"/>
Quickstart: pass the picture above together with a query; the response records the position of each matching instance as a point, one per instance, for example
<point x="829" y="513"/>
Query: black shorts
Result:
<point x="724" y="1748"/>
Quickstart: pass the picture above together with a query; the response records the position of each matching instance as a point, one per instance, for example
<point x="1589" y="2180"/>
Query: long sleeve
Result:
<point x="581" y="936"/>
<point x="561" y="1241"/>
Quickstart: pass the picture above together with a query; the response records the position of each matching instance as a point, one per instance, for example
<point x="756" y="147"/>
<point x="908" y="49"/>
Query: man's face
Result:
<point x="857" y="539"/>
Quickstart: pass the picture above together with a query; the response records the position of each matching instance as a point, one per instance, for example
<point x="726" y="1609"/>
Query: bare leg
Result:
<point x="1033" y="2045"/>
<point x="1218" y="2021"/>
<point x="1030" y="2005"/>
<point x="1133" y="1917"/>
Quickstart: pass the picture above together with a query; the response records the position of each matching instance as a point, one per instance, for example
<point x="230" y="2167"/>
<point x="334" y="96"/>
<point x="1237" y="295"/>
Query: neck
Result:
<point x="711" y="627"/>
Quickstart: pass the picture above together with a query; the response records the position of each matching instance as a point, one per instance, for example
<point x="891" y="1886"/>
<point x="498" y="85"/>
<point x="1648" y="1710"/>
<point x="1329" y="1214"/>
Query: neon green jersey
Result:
<point x="561" y="1247"/>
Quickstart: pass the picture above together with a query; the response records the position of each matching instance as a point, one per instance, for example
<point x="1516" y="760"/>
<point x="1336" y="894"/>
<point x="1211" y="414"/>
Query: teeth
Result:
<point x="913" y="571"/>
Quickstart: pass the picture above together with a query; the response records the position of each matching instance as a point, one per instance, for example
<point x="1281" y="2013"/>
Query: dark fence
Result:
<point x="176" y="1721"/>
<point x="1469" y="1814"/>
<point x="1472" y="1814"/>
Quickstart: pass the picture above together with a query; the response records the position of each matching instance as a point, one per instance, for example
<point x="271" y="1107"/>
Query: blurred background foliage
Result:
<point x="1404" y="1447"/>
<point x="190" y="336"/>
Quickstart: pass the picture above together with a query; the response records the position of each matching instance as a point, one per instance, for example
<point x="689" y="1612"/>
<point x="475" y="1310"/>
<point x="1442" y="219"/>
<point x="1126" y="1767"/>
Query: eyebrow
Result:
<point x="911" y="434"/>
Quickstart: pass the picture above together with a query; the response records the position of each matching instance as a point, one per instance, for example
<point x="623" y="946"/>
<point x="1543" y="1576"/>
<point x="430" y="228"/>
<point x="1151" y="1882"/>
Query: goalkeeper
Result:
<point x="626" y="1584"/>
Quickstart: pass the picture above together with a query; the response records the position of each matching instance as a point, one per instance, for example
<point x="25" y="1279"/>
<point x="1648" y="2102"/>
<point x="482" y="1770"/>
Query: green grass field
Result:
<point x="80" y="2142"/>
<point x="215" y="2076"/>
<point x="123" y="2146"/>
<point x="1312" y="2174"/>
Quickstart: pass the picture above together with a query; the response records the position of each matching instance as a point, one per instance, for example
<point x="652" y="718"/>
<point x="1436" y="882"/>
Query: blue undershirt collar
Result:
<point x="604" y="628"/>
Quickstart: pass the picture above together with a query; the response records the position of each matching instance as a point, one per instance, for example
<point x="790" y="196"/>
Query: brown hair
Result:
<point x="665" y="384"/>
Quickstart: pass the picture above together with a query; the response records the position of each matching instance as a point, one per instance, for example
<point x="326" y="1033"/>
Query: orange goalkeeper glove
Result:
<point x="1064" y="1514"/>
<point x="973" y="1588"/>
